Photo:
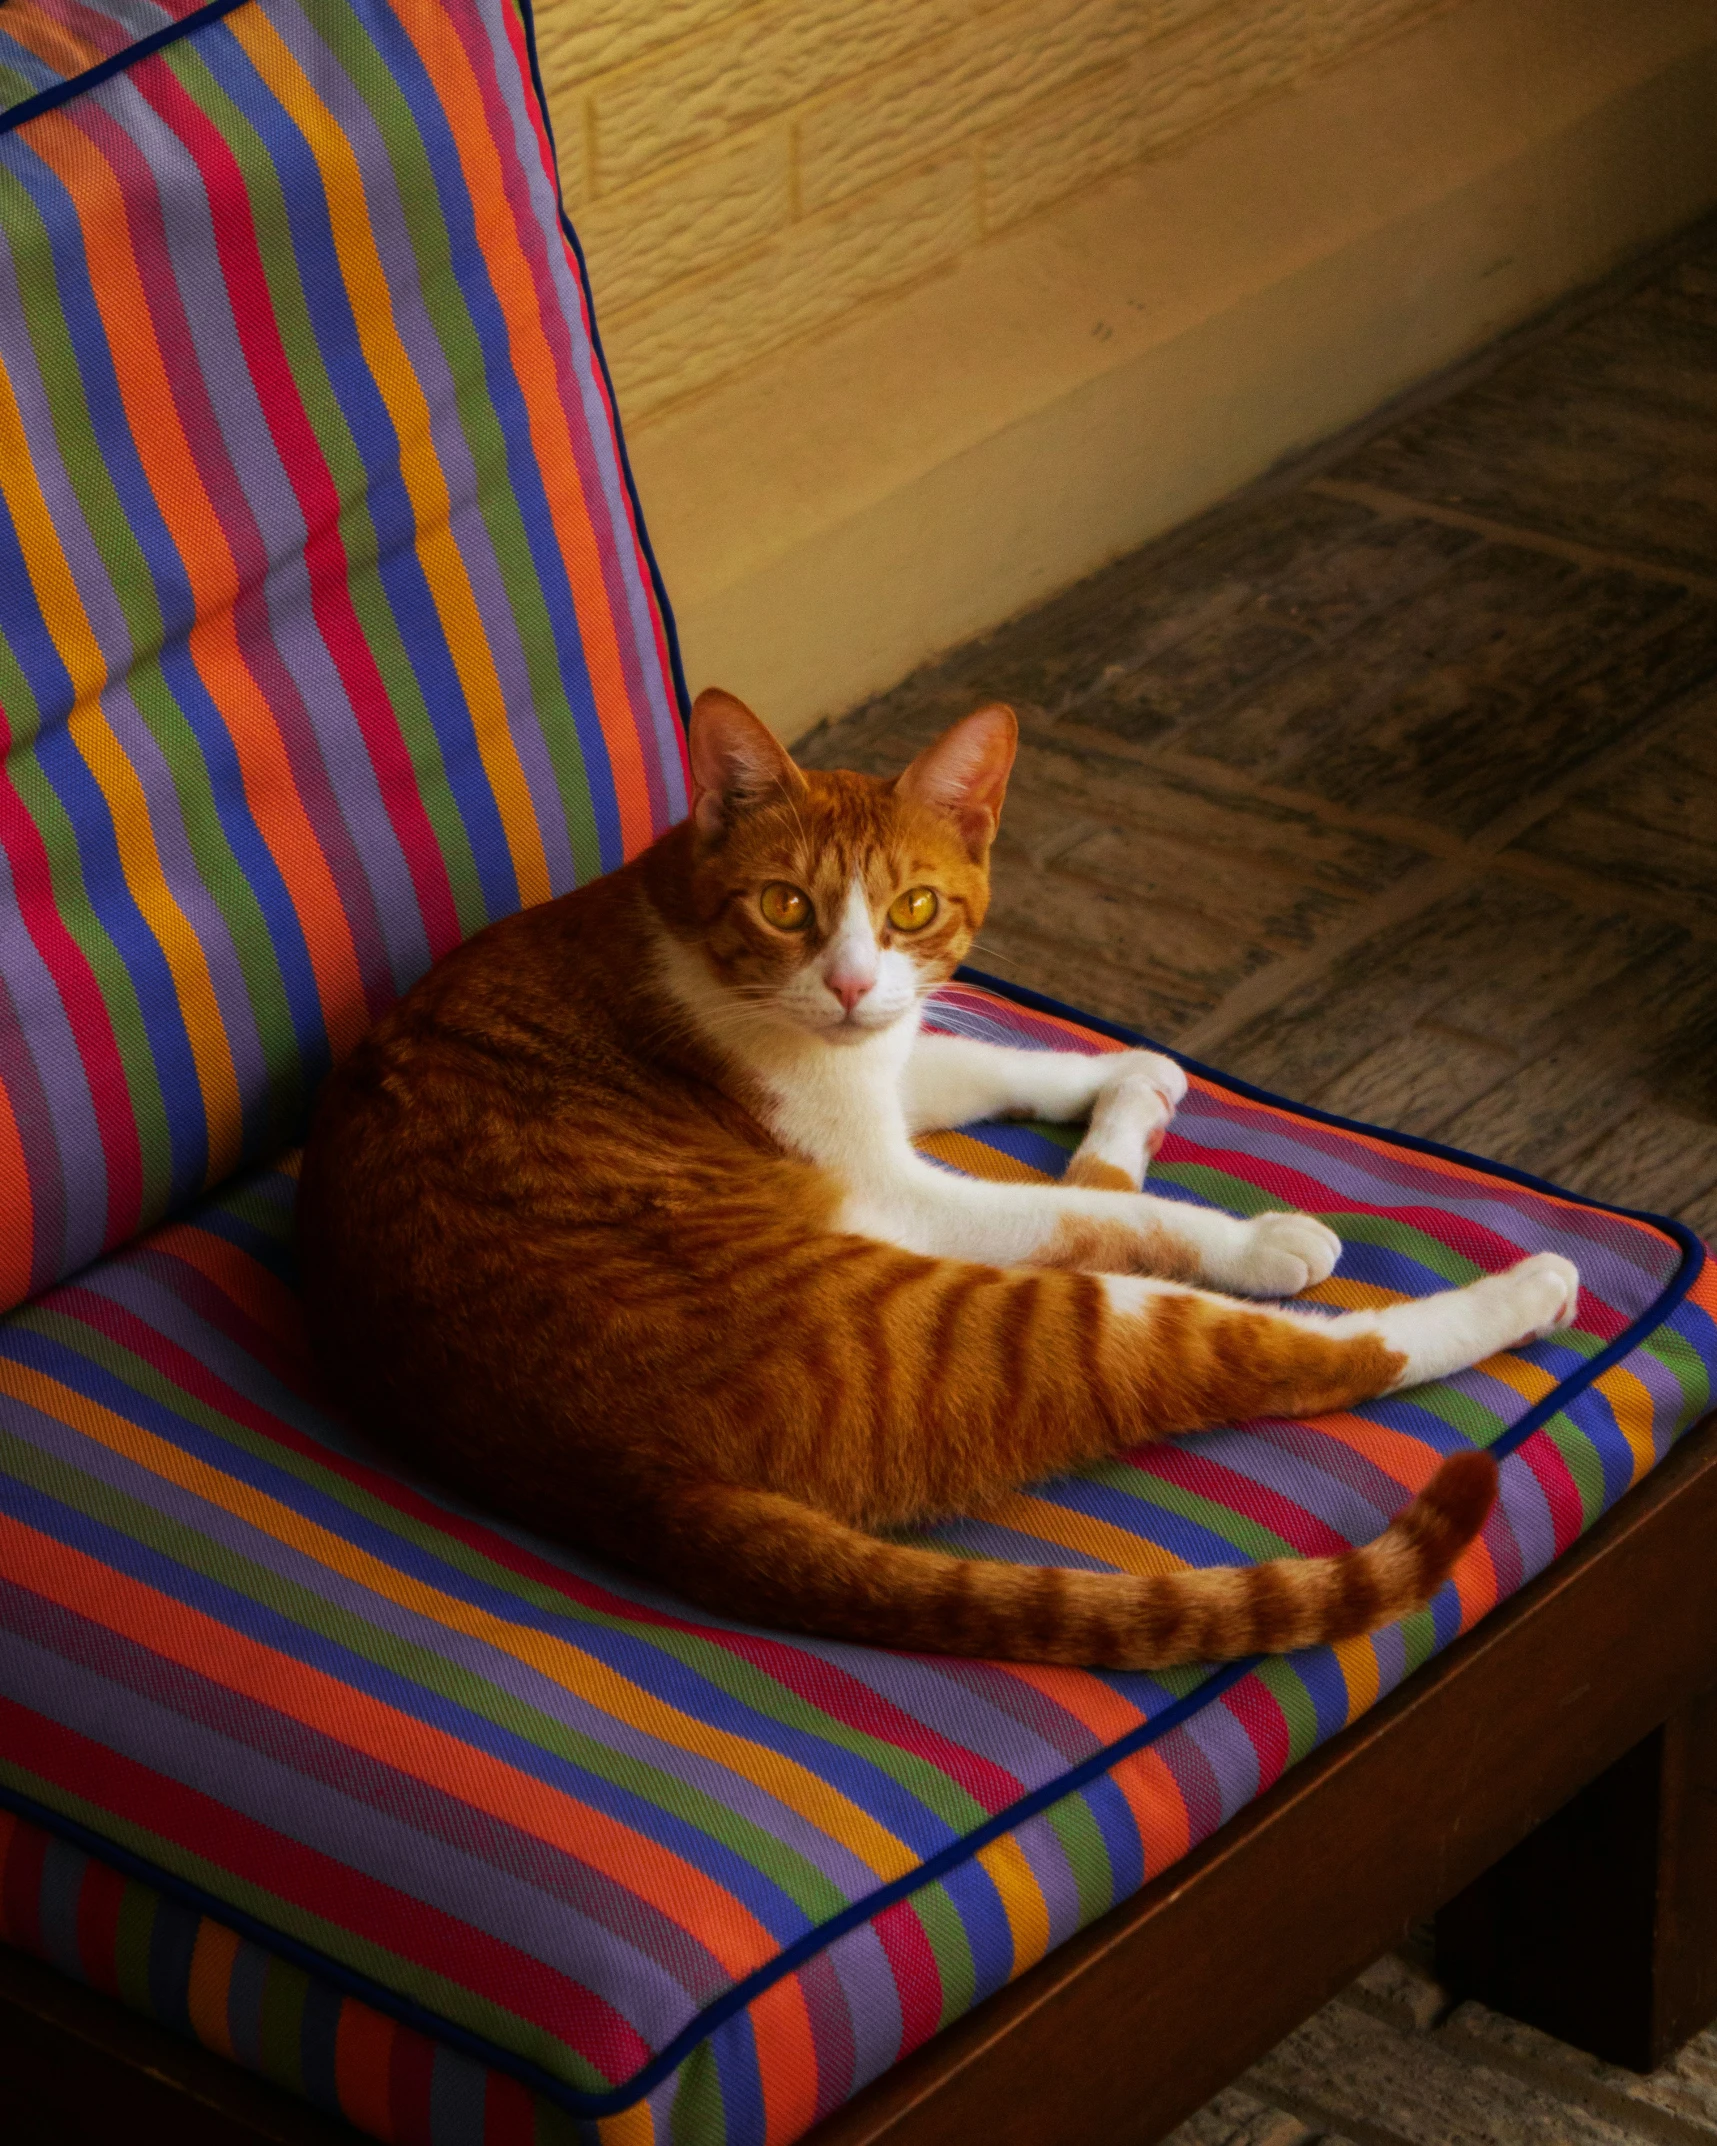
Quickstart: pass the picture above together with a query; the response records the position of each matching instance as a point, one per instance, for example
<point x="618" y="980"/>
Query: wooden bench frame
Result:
<point x="1580" y="1702"/>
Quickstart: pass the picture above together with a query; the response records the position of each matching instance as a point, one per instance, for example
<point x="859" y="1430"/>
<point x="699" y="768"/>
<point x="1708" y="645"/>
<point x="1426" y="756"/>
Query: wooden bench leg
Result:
<point x="1601" y="1927"/>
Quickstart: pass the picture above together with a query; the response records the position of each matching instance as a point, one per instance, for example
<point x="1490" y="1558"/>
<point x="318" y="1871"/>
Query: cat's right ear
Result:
<point x="738" y="763"/>
<point x="964" y="775"/>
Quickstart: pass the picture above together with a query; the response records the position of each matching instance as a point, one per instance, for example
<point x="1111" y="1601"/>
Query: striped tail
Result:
<point x="756" y="1555"/>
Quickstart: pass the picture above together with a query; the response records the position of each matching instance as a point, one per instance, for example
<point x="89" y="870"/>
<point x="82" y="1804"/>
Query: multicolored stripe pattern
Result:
<point x="45" y="44"/>
<point x="684" y="1880"/>
<point x="327" y="630"/>
<point x="196" y="1976"/>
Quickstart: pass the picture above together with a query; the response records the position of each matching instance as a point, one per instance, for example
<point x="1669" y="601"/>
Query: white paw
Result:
<point x="1152" y="1067"/>
<point x="1541" y="1294"/>
<point x="1445" y="1333"/>
<point x="1284" y="1254"/>
<point x="1141" y="1093"/>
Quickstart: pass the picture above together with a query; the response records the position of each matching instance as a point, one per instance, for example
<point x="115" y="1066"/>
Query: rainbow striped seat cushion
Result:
<point x="327" y="630"/>
<point x="476" y="1842"/>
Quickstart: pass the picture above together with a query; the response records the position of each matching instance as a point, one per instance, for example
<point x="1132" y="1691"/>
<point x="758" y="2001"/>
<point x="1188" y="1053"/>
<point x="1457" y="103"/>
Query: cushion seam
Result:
<point x="116" y="63"/>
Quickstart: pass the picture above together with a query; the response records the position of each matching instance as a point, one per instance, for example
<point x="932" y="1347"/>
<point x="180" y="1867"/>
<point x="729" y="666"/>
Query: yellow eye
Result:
<point x="912" y="910"/>
<point x="784" y="906"/>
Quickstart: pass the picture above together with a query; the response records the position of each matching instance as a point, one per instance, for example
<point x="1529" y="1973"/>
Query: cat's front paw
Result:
<point x="1283" y="1254"/>
<point x="1154" y="1085"/>
<point x="1151" y="1066"/>
<point x="1130" y="1116"/>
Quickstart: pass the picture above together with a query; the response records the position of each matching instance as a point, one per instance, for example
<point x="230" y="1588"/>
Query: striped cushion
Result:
<point x="464" y="1835"/>
<point x="327" y="632"/>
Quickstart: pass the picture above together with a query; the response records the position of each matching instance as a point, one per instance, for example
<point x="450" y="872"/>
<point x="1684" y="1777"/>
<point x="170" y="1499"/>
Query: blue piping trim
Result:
<point x="46" y="100"/>
<point x="743" y="1993"/>
<point x="286" y="1947"/>
<point x="704" y="2024"/>
<point x="670" y="632"/>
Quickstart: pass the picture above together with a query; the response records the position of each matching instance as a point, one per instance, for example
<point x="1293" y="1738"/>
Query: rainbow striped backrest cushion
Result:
<point x="327" y="628"/>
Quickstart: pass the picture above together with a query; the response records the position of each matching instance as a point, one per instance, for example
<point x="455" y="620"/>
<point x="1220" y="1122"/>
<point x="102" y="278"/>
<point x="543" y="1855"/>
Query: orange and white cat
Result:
<point x="616" y="1223"/>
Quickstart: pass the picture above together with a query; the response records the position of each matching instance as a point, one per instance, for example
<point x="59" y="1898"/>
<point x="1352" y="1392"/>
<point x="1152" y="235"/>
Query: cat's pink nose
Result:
<point x="850" y="985"/>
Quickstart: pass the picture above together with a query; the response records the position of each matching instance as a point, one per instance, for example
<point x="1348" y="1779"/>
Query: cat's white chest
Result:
<point x="834" y="1103"/>
<point x="840" y="1104"/>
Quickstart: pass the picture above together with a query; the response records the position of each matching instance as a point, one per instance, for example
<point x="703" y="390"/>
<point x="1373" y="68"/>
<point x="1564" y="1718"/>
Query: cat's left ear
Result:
<point x="964" y="775"/>
<point x="737" y="761"/>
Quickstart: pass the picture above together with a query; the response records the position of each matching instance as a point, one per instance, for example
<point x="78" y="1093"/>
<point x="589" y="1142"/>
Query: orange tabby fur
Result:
<point x="554" y="1252"/>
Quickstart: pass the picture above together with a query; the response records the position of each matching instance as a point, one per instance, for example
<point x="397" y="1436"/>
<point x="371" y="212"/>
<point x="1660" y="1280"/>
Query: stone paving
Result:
<point x="1392" y="785"/>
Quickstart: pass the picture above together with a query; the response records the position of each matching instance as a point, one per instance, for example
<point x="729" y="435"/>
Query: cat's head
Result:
<point x="832" y="902"/>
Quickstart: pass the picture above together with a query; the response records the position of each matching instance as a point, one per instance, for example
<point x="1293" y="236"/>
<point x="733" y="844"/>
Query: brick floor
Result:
<point x="1392" y="785"/>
